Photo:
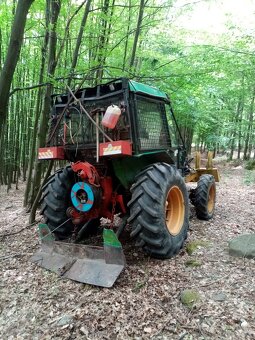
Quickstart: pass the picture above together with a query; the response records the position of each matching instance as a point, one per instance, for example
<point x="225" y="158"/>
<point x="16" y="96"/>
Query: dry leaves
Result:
<point x="145" y="301"/>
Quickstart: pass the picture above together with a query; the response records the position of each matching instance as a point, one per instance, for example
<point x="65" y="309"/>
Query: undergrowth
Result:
<point x="249" y="177"/>
<point x="250" y="164"/>
<point x="235" y="162"/>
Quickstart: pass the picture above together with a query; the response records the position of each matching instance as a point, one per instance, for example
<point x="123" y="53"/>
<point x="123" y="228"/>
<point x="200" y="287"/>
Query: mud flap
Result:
<point x="94" y="265"/>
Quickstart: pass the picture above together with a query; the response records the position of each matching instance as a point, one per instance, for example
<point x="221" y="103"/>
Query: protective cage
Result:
<point x="151" y="124"/>
<point x="143" y="120"/>
<point x="75" y="127"/>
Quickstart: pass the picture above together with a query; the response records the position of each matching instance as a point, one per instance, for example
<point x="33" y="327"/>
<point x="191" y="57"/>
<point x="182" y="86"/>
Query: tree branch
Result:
<point x="28" y="88"/>
<point x="67" y="29"/>
<point x="19" y="231"/>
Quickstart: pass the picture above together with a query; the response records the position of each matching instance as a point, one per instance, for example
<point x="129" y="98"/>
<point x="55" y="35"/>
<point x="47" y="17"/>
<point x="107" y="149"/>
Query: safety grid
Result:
<point x="152" y="124"/>
<point x="76" y="129"/>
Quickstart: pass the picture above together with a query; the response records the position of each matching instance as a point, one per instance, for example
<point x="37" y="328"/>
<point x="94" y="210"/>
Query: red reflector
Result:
<point x="116" y="148"/>
<point x="54" y="152"/>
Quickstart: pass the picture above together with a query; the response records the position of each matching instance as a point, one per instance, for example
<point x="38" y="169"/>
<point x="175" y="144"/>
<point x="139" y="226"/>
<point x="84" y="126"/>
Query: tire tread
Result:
<point x="147" y="210"/>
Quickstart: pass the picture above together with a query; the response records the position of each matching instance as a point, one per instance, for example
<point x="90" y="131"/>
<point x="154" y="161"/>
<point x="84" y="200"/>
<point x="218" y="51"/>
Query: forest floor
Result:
<point x="145" y="301"/>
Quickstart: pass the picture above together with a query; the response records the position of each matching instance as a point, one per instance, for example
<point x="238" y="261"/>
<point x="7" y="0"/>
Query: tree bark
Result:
<point x="0" y="49"/>
<point x="126" y="42"/>
<point x="32" y="148"/>
<point x="137" y="33"/>
<point x="246" y="154"/>
<point x="13" y="53"/>
<point x="236" y="121"/>
<point x="52" y="63"/>
<point x="101" y="51"/>
<point x="79" y="40"/>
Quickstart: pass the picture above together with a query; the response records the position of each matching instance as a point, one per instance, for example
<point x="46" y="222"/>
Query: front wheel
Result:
<point x="159" y="210"/>
<point x="204" y="197"/>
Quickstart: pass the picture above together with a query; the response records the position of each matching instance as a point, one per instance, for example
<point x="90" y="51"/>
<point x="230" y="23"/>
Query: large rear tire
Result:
<point x="55" y="201"/>
<point x="204" y="197"/>
<point x="159" y="210"/>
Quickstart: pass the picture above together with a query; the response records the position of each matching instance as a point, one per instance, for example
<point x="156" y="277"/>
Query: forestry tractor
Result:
<point x="127" y="157"/>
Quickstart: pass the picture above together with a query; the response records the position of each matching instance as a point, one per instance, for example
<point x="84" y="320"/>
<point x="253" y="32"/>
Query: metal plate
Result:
<point x="87" y="264"/>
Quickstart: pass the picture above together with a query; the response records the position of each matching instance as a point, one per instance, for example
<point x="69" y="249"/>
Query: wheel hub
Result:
<point x="211" y="199"/>
<point x="175" y="210"/>
<point x="82" y="196"/>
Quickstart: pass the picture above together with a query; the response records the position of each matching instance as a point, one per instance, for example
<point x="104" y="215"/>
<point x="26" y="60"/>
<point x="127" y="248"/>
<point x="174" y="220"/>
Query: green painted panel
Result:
<point x="146" y="89"/>
<point x="45" y="233"/>
<point x="111" y="239"/>
<point x="127" y="168"/>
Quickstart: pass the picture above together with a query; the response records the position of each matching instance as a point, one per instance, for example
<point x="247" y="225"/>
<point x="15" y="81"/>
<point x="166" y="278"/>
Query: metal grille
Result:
<point x="153" y="130"/>
<point x="77" y="128"/>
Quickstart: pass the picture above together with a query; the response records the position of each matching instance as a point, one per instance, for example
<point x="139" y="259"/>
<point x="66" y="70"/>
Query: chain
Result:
<point x="74" y="233"/>
<point x="113" y="209"/>
<point x="52" y="231"/>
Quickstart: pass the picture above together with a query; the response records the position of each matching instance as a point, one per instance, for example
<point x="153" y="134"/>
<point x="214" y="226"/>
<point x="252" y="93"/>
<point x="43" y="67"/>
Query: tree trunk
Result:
<point x="236" y="120"/>
<point x="79" y="40"/>
<point x="246" y="154"/>
<point x="239" y="148"/>
<point x="101" y="51"/>
<point x="126" y="42"/>
<point x="137" y="33"/>
<point x="32" y="148"/>
<point x="0" y="49"/>
<point x="54" y="13"/>
<point x="13" y="53"/>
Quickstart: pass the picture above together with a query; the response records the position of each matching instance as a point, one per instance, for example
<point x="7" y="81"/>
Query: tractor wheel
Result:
<point x="159" y="210"/>
<point x="205" y="195"/>
<point x="55" y="201"/>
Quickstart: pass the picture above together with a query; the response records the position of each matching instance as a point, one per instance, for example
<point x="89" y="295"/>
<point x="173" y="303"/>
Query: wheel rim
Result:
<point x="211" y="199"/>
<point x="175" y="210"/>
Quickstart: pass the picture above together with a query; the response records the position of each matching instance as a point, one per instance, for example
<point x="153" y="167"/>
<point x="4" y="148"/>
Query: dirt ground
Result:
<point x="145" y="301"/>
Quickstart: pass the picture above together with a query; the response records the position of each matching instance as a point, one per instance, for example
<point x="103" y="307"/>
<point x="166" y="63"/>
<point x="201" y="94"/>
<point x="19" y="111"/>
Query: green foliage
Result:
<point x="192" y="246"/>
<point x="193" y="263"/>
<point x="210" y="78"/>
<point x="189" y="297"/>
<point x="249" y="177"/>
<point x="236" y="162"/>
<point x="250" y="164"/>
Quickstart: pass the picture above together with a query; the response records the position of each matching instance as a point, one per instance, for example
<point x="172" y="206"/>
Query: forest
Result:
<point x="175" y="265"/>
<point x="208" y="76"/>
